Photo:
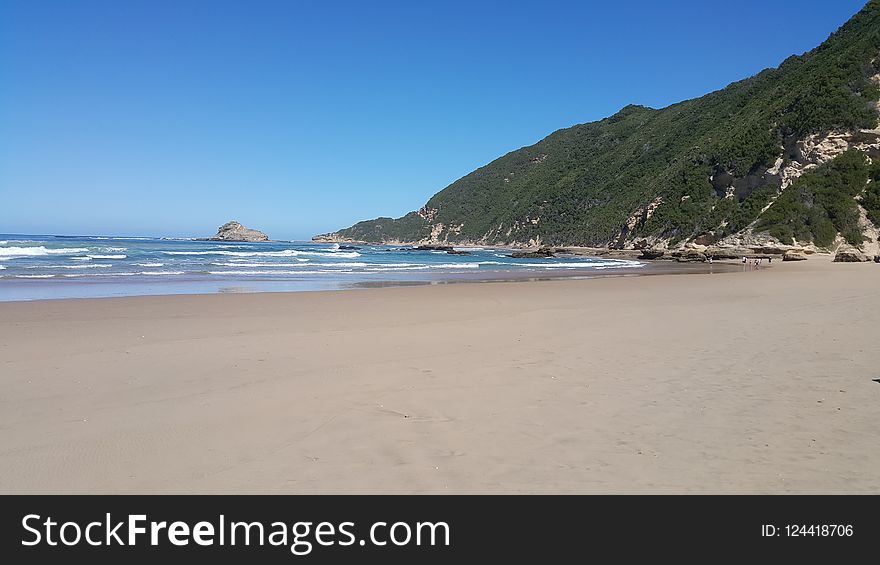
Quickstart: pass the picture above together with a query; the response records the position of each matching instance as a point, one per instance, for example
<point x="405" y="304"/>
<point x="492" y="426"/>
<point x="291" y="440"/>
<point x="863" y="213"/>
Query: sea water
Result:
<point x="36" y="267"/>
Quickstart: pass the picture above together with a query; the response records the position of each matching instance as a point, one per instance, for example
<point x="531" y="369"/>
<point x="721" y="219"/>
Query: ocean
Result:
<point x="40" y="267"/>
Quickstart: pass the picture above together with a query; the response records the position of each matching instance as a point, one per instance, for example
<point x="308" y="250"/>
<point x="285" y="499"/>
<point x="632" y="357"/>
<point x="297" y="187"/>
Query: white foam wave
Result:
<point x="114" y="249"/>
<point x="455" y="266"/>
<point x="89" y="266"/>
<point x="628" y="266"/>
<point x="451" y="266"/>
<point x="284" y="253"/>
<point x="100" y="275"/>
<point x="342" y="264"/>
<point x="243" y="261"/>
<point x="38" y="251"/>
<point x="34" y="276"/>
<point x="286" y="265"/>
<point x="81" y="258"/>
<point x="621" y="263"/>
<point x="150" y="264"/>
<point x="106" y="256"/>
<point x="334" y="254"/>
<point x="566" y="265"/>
<point x="161" y="273"/>
<point x="311" y="272"/>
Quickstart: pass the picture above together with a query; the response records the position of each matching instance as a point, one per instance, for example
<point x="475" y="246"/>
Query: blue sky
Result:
<point x="170" y="118"/>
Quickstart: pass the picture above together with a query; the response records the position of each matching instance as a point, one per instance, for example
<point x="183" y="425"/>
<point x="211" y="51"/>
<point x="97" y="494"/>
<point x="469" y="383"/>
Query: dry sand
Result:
<point x="757" y="382"/>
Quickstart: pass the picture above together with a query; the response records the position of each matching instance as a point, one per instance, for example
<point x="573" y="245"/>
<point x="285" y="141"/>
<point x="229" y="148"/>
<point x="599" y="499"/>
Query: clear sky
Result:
<point x="169" y="117"/>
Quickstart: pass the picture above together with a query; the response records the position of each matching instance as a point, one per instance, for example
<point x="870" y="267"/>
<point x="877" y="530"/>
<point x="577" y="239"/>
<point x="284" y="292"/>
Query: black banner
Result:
<point x="432" y="529"/>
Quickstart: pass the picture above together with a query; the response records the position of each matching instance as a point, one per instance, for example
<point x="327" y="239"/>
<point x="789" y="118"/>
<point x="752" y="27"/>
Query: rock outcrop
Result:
<point x="541" y="253"/>
<point x="234" y="231"/>
<point x="447" y="248"/>
<point x="652" y="253"/>
<point x="732" y="253"/>
<point x="849" y="255"/>
<point x="689" y="256"/>
<point x="793" y="256"/>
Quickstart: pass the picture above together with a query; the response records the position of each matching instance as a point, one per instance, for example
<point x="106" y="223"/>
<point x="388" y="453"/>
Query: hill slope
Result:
<point x="706" y="168"/>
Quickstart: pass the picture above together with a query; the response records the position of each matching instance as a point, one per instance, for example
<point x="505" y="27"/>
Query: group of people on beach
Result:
<point x="757" y="261"/>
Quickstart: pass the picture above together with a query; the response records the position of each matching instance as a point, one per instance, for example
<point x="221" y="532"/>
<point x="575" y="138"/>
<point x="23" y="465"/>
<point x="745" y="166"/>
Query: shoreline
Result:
<point x="259" y="285"/>
<point x="759" y="383"/>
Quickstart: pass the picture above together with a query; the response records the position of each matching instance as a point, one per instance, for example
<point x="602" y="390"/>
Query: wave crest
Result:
<point x="284" y="253"/>
<point x="38" y="251"/>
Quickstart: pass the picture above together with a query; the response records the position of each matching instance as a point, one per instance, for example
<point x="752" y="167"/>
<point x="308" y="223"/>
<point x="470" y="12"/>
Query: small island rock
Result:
<point x="234" y="231"/>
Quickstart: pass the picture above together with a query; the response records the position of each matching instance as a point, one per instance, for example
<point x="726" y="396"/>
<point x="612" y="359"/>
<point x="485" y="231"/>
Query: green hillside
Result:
<point x="705" y="160"/>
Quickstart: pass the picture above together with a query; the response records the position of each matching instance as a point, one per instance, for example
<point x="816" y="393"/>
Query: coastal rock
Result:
<point x="336" y="238"/>
<point x="877" y="258"/>
<point x="621" y="253"/>
<point x="447" y="248"/>
<point x="793" y="256"/>
<point x="849" y="255"/>
<point x="768" y="250"/>
<point x="705" y="240"/>
<point x="348" y="247"/>
<point x="234" y="231"/>
<point x="689" y="256"/>
<point x="541" y="253"/>
<point x="717" y="253"/>
<point x="651" y="254"/>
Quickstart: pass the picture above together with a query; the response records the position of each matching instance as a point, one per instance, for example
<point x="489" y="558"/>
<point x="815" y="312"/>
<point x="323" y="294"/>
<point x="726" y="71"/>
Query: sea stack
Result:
<point x="234" y="231"/>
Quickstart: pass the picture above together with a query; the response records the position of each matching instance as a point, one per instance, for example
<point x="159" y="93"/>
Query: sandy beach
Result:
<point x="754" y="382"/>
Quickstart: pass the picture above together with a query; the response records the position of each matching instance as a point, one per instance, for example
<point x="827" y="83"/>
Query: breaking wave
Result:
<point x="284" y="253"/>
<point x="38" y="251"/>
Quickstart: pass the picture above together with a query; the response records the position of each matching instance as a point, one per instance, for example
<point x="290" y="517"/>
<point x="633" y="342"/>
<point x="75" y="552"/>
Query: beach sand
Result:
<point x="754" y="382"/>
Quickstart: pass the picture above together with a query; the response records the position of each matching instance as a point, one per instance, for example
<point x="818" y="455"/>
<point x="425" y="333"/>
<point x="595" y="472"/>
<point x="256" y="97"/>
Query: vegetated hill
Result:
<point x="730" y="164"/>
